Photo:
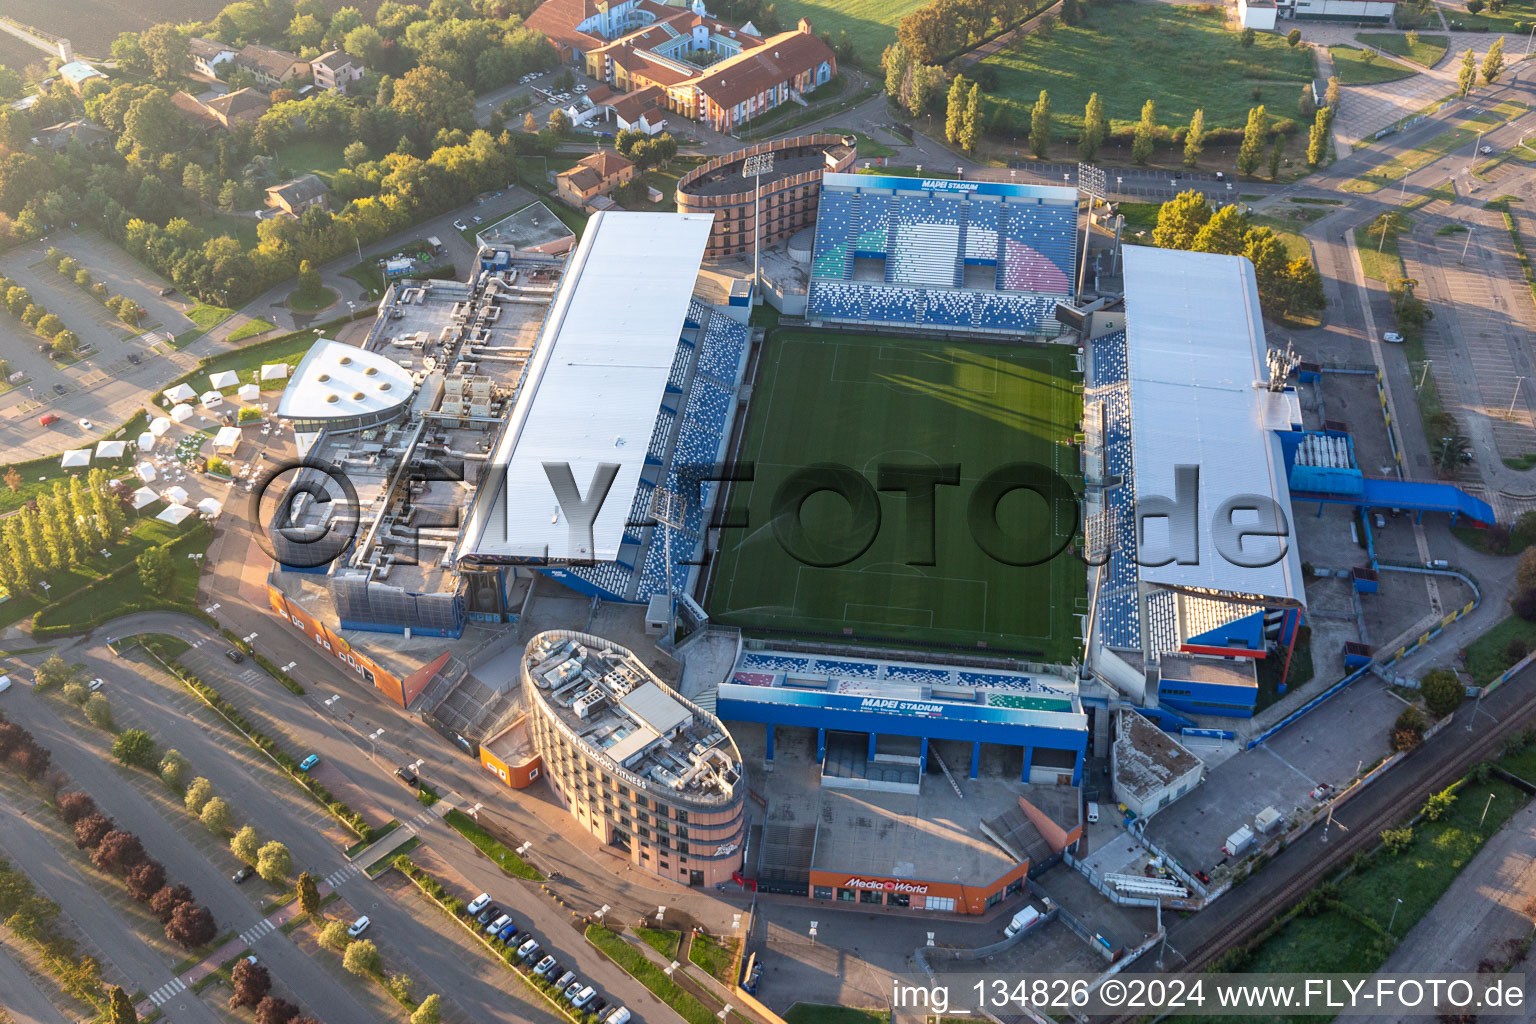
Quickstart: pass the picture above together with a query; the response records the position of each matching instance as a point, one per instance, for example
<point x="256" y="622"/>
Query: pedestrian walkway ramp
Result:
<point x="1418" y="496"/>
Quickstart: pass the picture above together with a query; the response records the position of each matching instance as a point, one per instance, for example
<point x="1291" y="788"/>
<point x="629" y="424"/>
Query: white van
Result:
<point x="5" y="683"/>
<point x="1093" y="812"/>
<point x="1021" y="921"/>
<point x="618" y="1016"/>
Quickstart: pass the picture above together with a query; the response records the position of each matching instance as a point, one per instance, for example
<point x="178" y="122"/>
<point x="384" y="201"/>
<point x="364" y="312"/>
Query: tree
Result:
<point x="1443" y="691"/>
<point x="355" y="153"/>
<point x="155" y="570"/>
<point x="217" y="816"/>
<point x="12" y="478"/>
<point x="136" y="749"/>
<point x="334" y="935"/>
<point x="970" y="133"/>
<point x="1275" y="155"/>
<point x="1223" y="233"/>
<point x="121" y="1010"/>
<point x="118" y="851"/>
<point x="1331" y="94"/>
<point x="954" y="115"/>
<point x="49" y="325"/>
<point x="273" y="1010"/>
<point x="98" y="711"/>
<point x="1396" y="840"/>
<point x="198" y="794"/>
<point x="1180" y="219"/>
<point x="559" y="122"/>
<point x="1040" y="126"/>
<point x="1317" y="137"/>
<point x="273" y="862"/>
<point x="1247" y="38"/>
<point x="245" y="845"/>
<point x="1293" y="37"/>
<point x="362" y="958"/>
<point x="308" y="894"/>
<point x="91" y="830"/>
<point x="309" y="283"/>
<point x="251" y="983"/>
<point x="1306" y="106"/>
<point x="55" y="672"/>
<point x="1095" y="129"/>
<point x="174" y="768"/>
<point x="1252" y="148"/>
<point x="74" y="806"/>
<point x="146" y="879"/>
<point x="530" y="123"/>
<point x="167" y="50"/>
<point x="1438" y="803"/>
<point x="429" y="1011"/>
<point x="1146" y="130"/>
<point x="1466" y="77"/>
<point x="1493" y="62"/>
<point x="154" y="123"/>
<point x="191" y="926"/>
<point x="165" y="902"/>
<point x="1194" y="138"/>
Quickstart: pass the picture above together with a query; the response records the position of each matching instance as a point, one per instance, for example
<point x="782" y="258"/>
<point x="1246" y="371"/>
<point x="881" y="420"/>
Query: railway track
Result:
<point x="1356" y="824"/>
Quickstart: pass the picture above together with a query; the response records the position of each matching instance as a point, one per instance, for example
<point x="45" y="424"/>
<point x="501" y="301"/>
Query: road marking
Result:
<point x="166" y="991"/>
<point x="257" y="930"/>
<point x="340" y="875"/>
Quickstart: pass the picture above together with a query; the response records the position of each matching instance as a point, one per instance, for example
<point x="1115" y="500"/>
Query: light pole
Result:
<point x="1090" y="179"/>
<point x="1485" y="811"/>
<point x="373" y="750"/>
<point x="1528" y="39"/>
<point x="1510" y="413"/>
<point x="1393" y="919"/>
<point x="1424" y="376"/>
<point x="1466" y="245"/>
<point x="755" y="166"/>
<point x="813" y="932"/>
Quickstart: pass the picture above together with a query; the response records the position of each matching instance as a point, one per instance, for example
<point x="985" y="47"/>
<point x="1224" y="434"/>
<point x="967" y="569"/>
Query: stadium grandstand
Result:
<point x="630" y="370"/>
<point x="959" y="256"/>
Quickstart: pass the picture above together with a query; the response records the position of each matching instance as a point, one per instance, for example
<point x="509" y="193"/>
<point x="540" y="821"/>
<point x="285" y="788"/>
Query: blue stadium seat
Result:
<point x="1039" y="248"/>
<point x="874" y="227"/>
<point x="835" y="218"/>
<point x="981" y="232"/>
<point x="950" y="308"/>
<point x="720" y="351"/>
<point x="924" y="241"/>
<point x="836" y="300"/>
<point x="896" y="303"/>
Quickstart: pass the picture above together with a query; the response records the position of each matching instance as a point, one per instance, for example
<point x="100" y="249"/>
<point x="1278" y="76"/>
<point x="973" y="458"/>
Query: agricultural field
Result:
<point x="871" y="24"/>
<point x="1155" y="50"/>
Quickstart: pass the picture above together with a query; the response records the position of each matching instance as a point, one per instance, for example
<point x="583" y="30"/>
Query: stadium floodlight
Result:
<point x="1090" y="179"/>
<point x="755" y="166"/>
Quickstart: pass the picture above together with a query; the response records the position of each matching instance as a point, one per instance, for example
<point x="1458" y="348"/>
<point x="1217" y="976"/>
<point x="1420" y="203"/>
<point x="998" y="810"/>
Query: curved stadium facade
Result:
<point x="640" y="767"/>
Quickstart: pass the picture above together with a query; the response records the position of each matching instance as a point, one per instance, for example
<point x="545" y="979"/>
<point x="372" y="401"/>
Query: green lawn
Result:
<point x="715" y="956"/>
<point x="1515" y="18"/>
<point x="663" y="940"/>
<point x="1448" y="141"/>
<point x="247" y="362"/>
<point x="325" y="298"/>
<point x="869" y="149"/>
<point x="1288" y="230"/>
<point x="126" y="591"/>
<point x="145" y="533"/>
<point x="1139" y="217"/>
<point x="863" y="401"/>
<point x="242" y="229"/>
<point x="312" y="156"/>
<point x="1378" y="252"/>
<point x="250" y="329"/>
<point x="634" y="963"/>
<point x="1486" y="656"/>
<point x="817" y="1013"/>
<point x="1155" y="51"/>
<point x="1427" y="50"/>
<point x="487" y="844"/>
<point x="38" y="475"/>
<point x="1355" y="66"/>
<point x="871" y="24"/>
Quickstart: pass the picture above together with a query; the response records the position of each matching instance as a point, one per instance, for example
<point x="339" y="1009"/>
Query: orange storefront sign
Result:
<point x="967" y="899"/>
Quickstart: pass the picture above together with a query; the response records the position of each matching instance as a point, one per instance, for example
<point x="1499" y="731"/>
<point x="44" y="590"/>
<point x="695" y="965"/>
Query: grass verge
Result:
<point x="663" y="940"/>
<point x="817" y="1013"/>
<point x="1355" y="66"/>
<point x="634" y="963"/>
<point x="716" y="957"/>
<point x="1426" y="49"/>
<point x="1489" y="654"/>
<point x="1448" y="141"/>
<point x="487" y="844"/>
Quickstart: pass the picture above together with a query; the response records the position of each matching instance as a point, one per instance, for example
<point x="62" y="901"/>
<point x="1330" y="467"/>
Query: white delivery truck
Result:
<point x="1021" y="921"/>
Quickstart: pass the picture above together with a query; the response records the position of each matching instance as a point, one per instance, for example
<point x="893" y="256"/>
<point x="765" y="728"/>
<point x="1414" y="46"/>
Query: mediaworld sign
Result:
<point x="887" y="885"/>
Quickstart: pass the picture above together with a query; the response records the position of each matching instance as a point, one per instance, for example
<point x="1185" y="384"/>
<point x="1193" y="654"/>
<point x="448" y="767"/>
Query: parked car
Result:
<point x="135" y="358"/>
<point x="234" y="655"/>
<point x="488" y="914"/>
<point x="478" y="903"/>
<point x="359" y="926"/>
<point x="246" y="871"/>
<point x="1486" y="150"/>
<point x="528" y="949"/>
<point x="597" y="1006"/>
<point x="461" y="225"/>
<point x="86" y="424"/>
<point x="1392" y="338"/>
<point x="309" y="762"/>
<point x="564" y="979"/>
<point x="620" y="1015"/>
<point x="544" y="966"/>
<point x="60" y="389"/>
<point x="478" y="219"/>
<point x="406" y="776"/>
<point x="167" y="290"/>
<point x="46" y="418"/>
<point x="506" y="933"/>
<point x="498" y="922"/>
<point x="582" y="998"/>
<point x="96" y="684"/>
<point x="1322" y="792"/>
<point x="573" y="990"/>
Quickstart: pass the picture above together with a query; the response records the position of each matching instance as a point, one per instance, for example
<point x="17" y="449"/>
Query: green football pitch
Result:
<point x="865" y="401"/>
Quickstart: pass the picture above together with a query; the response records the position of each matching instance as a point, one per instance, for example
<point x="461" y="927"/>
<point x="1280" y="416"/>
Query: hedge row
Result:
<point x="267" y="745"/>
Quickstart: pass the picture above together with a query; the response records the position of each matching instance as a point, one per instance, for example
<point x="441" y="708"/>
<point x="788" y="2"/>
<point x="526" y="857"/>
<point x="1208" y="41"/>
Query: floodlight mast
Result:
<point x="1090" y="179"/>
<point x="755" y="166"/>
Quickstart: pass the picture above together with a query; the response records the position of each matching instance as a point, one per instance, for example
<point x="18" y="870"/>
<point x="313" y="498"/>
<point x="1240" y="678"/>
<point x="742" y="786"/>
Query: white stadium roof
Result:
<point x="1196" y="359"/>
<point x="594" y="385"/>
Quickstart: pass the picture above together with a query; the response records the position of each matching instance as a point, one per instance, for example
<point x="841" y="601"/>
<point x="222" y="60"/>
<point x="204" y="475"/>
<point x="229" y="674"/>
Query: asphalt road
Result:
<point x="24" y="1000"/>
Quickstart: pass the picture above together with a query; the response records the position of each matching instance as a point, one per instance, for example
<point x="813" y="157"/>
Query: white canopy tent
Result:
<point x="146" y="471"/>
<point x="111" y="449"/>
<point x="211" y="399"/>
<point x="227" y="439"/>
<point x="249" y="392"/>
<point x="174" y="514"/>
<point x="176" y="494"/>
<point x="224" y="379"/>
<point x="180" y="393"/>
<point x="159" y="425"/>
<point x="274" y="371"/>
<point x="210" y="506"/>
<point x="181" y="413"/>
<point x="146" y="441"/>
<point x="143" y="498"/>
<point x="77" y="457"/>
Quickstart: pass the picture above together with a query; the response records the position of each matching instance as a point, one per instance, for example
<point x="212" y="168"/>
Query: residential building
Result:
<point x="76" y="73"/>
<point x="643" y="110"/>
<point x="208" y="55"/>
<point x="1257" y="14"/>
<point x="336" y="70"/>
<point x="270" y="67"/>
<point x="245" y="105"/>
<point x="296" y="196"/>
<point x="683" y="60"/>
<point x="57" y="137"/>
<point x="593" y="176"/>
